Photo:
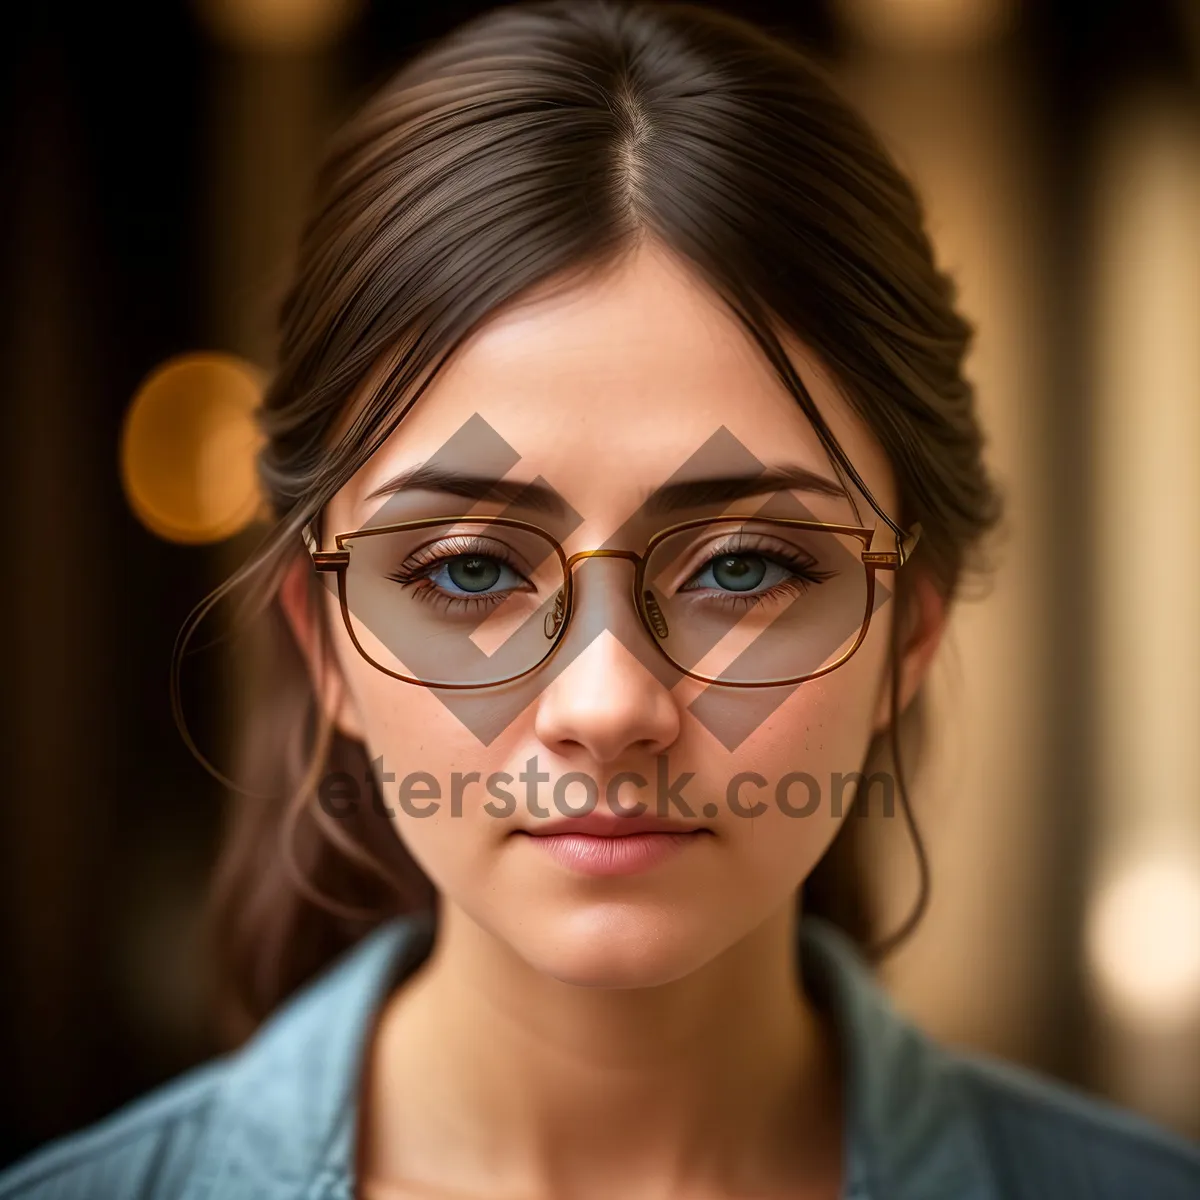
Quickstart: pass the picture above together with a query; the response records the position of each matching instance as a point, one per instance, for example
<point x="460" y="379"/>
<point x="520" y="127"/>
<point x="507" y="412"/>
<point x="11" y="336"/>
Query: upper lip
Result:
<point x="604" y="824"/>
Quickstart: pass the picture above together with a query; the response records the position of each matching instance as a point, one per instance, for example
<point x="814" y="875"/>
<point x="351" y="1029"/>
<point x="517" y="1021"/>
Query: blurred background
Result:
<point x="156" y="160"/>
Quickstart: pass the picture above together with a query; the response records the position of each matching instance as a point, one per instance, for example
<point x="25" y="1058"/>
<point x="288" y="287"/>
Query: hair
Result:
<point x="536" y="143"/>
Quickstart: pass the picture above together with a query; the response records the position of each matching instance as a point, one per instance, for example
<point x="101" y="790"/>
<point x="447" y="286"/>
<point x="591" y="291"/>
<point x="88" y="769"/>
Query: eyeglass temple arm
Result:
<point x="891" y="560"/>
<point x="908" y="544"/>
<point x="323" y="560"/>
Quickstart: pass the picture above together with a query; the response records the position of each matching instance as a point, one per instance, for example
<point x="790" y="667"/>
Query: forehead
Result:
<point x="610" y="387"/>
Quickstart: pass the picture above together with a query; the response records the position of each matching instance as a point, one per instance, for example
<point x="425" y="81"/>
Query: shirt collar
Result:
<point x="911" y="1134"/>
<point x="286" y="1111"/>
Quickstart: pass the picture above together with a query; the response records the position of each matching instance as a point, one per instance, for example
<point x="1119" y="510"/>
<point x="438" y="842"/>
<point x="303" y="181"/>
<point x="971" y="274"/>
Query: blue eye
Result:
<point x="471" y="575"/>
<point x="738" y="573"/>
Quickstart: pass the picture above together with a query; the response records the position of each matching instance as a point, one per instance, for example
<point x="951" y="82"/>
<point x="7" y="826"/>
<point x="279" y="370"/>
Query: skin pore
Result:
<point x="640" y="1035"/>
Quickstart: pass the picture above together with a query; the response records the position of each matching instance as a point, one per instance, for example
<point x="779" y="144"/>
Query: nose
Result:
<point x="611" y="689"/>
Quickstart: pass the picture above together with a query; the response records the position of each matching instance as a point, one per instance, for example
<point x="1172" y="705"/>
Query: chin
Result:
<point x="616" y="946"/>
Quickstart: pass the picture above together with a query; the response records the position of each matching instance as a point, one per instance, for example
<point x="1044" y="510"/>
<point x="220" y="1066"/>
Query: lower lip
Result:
<point x="624" y="855"/>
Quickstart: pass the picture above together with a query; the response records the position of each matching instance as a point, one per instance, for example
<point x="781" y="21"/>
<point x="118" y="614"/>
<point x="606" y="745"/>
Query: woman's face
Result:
<point x="603" y="393"/>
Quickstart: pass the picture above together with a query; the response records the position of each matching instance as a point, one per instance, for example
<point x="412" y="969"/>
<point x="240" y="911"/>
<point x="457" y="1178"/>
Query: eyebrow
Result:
<point x="667" y="498"/>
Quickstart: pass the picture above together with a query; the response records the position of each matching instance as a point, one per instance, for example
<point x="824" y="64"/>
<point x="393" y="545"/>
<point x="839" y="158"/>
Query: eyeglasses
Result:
<point x="471" y="602"/>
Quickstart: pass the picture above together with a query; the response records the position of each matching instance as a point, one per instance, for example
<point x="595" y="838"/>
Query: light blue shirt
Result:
<point x="276" y="1118"/>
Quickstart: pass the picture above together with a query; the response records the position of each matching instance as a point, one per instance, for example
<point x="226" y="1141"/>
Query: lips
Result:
<point x="599" y="845"/>
<point x="609" y="825"/>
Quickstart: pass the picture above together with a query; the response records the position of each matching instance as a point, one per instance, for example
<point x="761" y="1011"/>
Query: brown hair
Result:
<point x="536" y="142"/>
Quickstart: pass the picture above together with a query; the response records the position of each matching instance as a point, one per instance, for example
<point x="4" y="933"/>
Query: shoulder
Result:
<point x="1045" y="1138"/>
<point x="145" y="1149"/>
<point x="931" y="1120"/>
<point x="264" y="1120"/>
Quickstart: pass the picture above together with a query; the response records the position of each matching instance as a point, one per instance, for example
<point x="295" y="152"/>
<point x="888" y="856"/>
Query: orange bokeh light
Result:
<point x="188" y="447"/>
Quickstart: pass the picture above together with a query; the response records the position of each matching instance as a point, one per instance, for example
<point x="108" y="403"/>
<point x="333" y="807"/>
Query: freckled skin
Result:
<point x="604" y="391"/>
<point x="639" y="1034"/>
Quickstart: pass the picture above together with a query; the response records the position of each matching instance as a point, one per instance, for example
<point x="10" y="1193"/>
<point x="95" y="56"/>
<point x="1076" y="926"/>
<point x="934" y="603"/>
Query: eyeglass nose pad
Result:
<point x="655" y="613"/>
<point x="553" y="620"/>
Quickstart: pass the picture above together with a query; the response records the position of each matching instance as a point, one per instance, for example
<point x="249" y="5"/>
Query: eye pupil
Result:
<point x="739" y="572"/>
<point x="473" y="573"/>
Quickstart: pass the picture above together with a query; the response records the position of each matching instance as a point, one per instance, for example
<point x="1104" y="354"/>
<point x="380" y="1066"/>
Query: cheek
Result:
<point x="797" y="772"/>
<point x="430" y="769"/>
<point x="421" y="753"/>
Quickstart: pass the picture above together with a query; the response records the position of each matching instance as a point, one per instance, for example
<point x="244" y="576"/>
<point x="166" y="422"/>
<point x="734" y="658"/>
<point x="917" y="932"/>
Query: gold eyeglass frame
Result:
<point x="337" y="561"/>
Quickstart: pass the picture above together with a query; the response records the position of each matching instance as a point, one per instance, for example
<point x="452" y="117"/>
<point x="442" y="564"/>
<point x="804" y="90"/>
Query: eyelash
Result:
<point x="416" y="570"/>
<point x="807" y="574"/>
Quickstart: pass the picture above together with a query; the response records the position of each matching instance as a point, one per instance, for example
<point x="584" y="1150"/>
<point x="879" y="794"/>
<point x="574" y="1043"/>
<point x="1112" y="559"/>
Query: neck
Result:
<point x="489" y="1077"/>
